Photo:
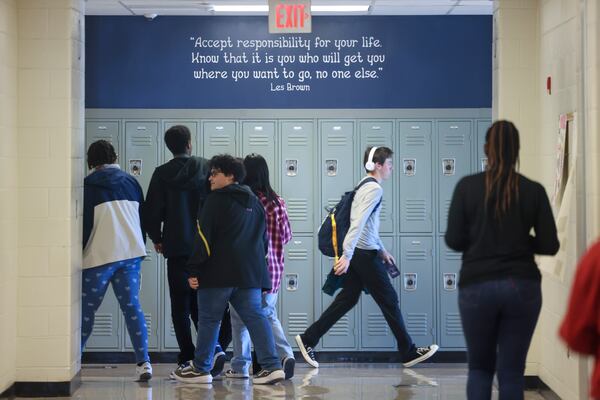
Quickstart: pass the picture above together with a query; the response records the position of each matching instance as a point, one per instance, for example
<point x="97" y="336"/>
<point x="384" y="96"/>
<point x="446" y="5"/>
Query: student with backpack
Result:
<point x="364" y="262"/>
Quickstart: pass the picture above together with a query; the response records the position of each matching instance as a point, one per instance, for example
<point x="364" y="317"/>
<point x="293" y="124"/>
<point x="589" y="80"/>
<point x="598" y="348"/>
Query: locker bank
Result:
<point x="424" y="79"/>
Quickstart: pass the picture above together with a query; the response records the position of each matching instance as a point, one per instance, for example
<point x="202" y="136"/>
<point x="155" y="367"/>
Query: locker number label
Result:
<point x="409" y="166"/>
<point x="291" y="167"/>
<point x="448" y="166"/>
<point x="135" y="167"/>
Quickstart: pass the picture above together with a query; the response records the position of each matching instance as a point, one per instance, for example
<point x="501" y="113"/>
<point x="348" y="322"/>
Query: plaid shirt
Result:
<point x="279" y="233"/>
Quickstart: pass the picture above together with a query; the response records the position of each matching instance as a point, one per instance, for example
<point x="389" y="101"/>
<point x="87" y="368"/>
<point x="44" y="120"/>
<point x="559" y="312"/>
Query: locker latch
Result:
<point x="410" y="281"/>
<point x="448" y="166"/>
<point x="483" y="163"/>
<point x="291" y="167"/>
<point x="449" y="281"/>
<point x="291" y="282"/>
<point x="331" y="166"/>
<point x="410" y="166"/>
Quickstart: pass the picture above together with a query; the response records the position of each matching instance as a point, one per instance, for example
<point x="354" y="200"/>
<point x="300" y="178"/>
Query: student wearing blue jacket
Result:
<point x="113" y="248"/>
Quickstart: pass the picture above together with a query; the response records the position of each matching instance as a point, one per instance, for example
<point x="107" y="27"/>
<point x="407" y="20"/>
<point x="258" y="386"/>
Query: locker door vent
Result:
<point x="415" y="210"/>
<point x="220" y="140"/>
<point x="452" y="255"/>
<point x="332" y="202"/>
<point x="258" y="140"/>
<point x="298" y="323"/>
<point x="416" y="140"/>
<point x="454" y="140"/>
<point x="447" y="207"/>
<point x="148" y="318"/>
<point x="337" y="140"/>
<point x="376" y="325"/>
<point x="172" y="331"/>
<point x="383" y="214"/>
<point x="341" y="328"/>
<point x="416" y="255"/>
<point x="103" y="325"/>
<point x="453" y="324"/>
<point x="297" y="140"/>
<point x="108" y="138"/>
<point x="297" y="209"/>
<point x="143" y="141"/>
<point x="297" y="254"/>
<point x="416" y="323"/>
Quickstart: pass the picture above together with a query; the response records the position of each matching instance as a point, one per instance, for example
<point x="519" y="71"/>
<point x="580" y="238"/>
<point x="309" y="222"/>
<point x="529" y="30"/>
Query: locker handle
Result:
<point x="141" y="128"/>
<point x="102" y="128"/>
<point x="219" y="128"/>
<point x="415" y="127"/>
<point x="376" y="128"/>
<point x="258" y="128"/>
<point x="297" y="128"/>
<point x="337" y="128"/>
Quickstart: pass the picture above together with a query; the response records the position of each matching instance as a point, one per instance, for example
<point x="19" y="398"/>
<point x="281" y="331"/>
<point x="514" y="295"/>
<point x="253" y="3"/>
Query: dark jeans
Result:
<point x="366" y="271"/>
<point x="498" y="319"/>
<point x="184" y="305"/>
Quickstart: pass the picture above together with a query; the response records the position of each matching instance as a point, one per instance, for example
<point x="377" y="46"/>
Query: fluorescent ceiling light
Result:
<point x="265" y="8"/>
<point x="347" y="8"/>
<point x="240" y="8"/>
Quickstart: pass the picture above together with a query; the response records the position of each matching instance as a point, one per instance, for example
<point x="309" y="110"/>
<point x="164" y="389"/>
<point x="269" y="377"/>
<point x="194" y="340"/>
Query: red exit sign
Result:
<point x="289" y="16"/>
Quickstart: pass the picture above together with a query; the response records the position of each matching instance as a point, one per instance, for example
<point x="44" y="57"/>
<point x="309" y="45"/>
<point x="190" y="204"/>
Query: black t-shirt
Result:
<point x="500" y="247"/>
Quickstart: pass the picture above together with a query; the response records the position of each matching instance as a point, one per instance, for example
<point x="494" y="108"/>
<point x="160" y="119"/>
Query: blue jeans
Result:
<point x="124" y="276"/>
<point x="211" y="305"/>
<point x="242" y="357"/>
<point x="498" y="319"/>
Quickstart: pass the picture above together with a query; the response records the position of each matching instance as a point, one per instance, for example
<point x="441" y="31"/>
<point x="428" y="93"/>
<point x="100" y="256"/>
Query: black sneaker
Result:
<point x="189" y="374"/>
<point x="307" y="352"/>
<point x="420" y="354"/>
<point x="265" y="377"/>
<point x="218" y="364"/>
<point x="288" y="364"/>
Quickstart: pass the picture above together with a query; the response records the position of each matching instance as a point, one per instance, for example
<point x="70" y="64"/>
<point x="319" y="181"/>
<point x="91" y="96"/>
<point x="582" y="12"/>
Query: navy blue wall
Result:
<point x="430" y="62"/>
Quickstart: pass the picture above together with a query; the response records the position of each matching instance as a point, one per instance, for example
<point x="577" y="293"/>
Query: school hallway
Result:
<point x="331" y="381"/>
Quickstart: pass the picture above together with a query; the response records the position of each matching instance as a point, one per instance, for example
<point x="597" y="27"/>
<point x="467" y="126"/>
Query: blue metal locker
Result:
<point x="482" y="127"/>
<point x="451" y="334"/>
<point x="107" y="324"/>
<point x="259" y="137"/>
<point x="298" y="173"/>
<point x="375" y="333"/>
<point x="454" y="162"/>
<point x="417" y="288"/>
<point x="218" y="137"/>
<point x="415" y="171"/>
<point x="141" y="158"/>
<point x="337" y="176"/>
<point x="381" y="133"/>
<point x="296" y="293"/>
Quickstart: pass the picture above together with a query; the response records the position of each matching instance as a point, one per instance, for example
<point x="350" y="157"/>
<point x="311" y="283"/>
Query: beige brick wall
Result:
<point x="50" y="147"/>
<point x="8" y="191"/>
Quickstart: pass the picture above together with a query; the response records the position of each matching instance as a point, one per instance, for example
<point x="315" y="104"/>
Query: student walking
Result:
<point x="363" y="262"/>
<point x="490" y="219"/>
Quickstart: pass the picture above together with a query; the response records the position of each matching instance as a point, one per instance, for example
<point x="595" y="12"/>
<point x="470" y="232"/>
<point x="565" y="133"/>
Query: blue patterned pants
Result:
<point x="125" y="279"/>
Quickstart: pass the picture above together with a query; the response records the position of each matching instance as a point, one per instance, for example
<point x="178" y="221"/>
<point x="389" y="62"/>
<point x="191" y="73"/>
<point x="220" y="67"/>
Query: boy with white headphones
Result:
<point x="364" y="262"/>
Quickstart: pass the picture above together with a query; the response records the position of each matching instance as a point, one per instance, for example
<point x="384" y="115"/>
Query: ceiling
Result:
<point x="204" y="7"/>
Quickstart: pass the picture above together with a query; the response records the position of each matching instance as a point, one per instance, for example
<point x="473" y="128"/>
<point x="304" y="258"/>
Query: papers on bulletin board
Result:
<point x="564" y="200"/>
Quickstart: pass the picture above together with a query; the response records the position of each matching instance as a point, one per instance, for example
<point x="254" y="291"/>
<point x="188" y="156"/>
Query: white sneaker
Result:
<point x="265" y="377"/>
<point x="144" y="372"/>
<point x="421" y="354"/>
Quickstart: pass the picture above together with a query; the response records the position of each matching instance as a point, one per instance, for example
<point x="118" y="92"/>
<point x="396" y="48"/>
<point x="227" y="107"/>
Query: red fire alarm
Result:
<point x="549" y="84"/>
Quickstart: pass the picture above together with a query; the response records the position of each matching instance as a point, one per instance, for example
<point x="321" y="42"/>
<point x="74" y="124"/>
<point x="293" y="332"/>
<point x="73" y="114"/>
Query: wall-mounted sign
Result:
<point x="289" y="16"/>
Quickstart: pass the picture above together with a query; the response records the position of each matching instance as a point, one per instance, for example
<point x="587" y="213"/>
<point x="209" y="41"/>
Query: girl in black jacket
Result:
<point x="490" y="219"/>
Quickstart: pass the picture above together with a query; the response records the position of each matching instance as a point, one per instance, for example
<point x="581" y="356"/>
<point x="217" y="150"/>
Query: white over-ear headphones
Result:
<point x="370" y="165"/>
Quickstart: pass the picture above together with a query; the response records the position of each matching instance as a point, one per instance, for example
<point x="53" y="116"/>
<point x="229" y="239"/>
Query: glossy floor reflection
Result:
<point x="330" y="381"/>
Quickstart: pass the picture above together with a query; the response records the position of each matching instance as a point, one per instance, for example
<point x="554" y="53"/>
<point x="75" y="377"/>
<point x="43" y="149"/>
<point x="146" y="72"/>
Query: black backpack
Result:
<point x="335" y="226"/>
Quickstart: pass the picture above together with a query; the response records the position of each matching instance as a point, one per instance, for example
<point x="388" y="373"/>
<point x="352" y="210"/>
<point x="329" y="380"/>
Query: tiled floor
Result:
<point x="330" y="382"/>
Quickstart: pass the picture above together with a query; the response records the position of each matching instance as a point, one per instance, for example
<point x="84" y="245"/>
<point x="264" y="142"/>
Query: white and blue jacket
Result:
<point x="111" y="217"/>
